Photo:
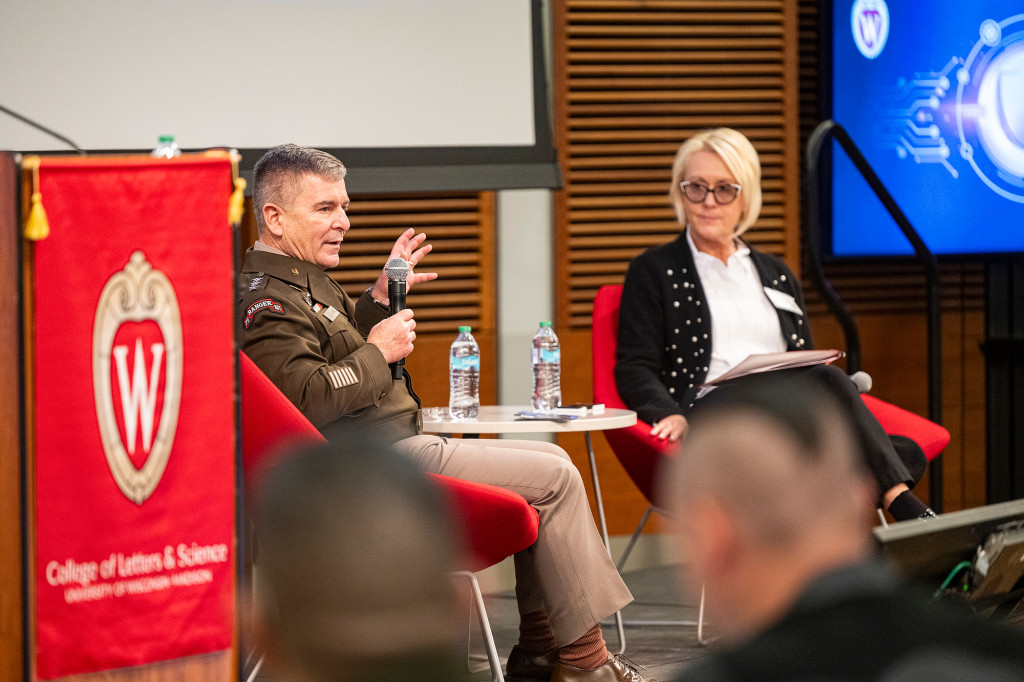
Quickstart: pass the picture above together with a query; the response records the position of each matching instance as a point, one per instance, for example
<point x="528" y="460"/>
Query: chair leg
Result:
<point x="603" y="525"/>
<point x="636" y="536"/>
<point x="703" y="641"/>
<point x="485" y="625"/>
<point x="255" y="670"/>
<point x="699" y="623"/>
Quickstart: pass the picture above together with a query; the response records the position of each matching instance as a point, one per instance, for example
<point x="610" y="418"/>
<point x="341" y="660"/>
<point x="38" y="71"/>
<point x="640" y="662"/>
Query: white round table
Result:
<point x="502" y="419"/>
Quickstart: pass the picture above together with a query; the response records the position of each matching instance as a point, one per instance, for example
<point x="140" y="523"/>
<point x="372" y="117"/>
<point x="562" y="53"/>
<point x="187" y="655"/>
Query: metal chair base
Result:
<point x="699" y="623"/>
<point x="485" y="630"/>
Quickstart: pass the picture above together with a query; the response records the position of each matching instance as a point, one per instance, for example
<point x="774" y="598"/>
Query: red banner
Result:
<point x="135" y="427"/>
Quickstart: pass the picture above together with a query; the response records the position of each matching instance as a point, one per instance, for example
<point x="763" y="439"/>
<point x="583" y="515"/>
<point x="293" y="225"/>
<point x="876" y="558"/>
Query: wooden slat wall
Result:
<point x="461" y="229"/>
<point x="633" y="79"/>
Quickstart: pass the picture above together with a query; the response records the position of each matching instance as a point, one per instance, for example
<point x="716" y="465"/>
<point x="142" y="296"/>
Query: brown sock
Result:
<point x="535" y="636"/>
<point x="588" y="652"/>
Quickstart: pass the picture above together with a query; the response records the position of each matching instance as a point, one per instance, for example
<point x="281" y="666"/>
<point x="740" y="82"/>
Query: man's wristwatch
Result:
<point x="383" y="306"/>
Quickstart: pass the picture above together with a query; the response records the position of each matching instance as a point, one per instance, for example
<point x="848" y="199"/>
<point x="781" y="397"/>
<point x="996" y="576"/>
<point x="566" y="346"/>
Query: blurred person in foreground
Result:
<point x="331" y="357"/>
<point x="353" y="570"/>
<point x="772" y="509"/>
<point x="696" y="307"/>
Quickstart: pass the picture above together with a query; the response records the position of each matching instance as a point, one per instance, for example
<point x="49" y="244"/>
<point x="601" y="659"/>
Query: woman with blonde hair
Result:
<point x="694" y="308"/>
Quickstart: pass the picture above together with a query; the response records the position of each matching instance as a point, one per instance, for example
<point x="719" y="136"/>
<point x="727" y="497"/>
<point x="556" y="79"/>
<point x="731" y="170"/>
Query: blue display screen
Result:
<point x="933" y="95"/>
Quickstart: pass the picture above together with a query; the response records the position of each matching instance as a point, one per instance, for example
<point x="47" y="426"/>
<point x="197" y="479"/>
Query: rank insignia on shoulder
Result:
<point x="267" y="304"/>
<point x="256" y="282"/>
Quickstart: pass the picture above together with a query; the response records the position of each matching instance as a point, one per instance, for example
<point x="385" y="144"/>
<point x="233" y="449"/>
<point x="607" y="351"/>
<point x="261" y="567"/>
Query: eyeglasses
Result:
<point x="696" y="192"/>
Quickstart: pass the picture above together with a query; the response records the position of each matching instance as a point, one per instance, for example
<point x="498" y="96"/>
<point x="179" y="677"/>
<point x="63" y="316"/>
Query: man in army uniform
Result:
<point x="331" y="357"/>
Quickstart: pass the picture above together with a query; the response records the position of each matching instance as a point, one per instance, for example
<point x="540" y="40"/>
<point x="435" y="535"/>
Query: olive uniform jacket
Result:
<point x="305" y="333"/>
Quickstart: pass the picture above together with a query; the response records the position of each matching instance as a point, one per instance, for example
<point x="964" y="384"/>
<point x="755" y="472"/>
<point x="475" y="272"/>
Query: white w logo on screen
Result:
<point x="869" y="23"/>
<point x="138" y="394"/>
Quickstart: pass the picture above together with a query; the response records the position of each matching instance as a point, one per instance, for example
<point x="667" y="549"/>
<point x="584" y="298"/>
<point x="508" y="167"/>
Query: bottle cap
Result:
<point x="545" y="324"/>
<point x="465" y="328"/>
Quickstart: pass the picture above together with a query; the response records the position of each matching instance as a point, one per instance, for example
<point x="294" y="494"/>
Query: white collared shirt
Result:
<point x="743" y="320"/>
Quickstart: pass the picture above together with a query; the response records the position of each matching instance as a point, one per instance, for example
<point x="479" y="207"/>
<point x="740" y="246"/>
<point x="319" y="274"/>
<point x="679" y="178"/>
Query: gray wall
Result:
<point x="525" y="262"/>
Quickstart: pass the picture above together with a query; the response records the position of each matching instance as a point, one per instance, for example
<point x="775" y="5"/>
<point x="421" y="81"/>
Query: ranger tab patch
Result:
<point x="261" y="305"/>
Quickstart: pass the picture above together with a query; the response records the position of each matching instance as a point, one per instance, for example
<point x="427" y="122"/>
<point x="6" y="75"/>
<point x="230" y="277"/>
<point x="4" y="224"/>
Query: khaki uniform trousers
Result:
<point x="568" y="571"/>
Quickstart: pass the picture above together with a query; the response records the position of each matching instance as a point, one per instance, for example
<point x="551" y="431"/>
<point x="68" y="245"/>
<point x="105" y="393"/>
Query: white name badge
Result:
<point x="782" y="301"/>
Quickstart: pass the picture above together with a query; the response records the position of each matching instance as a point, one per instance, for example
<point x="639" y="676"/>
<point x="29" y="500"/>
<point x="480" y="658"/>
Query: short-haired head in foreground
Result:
<point x="276" y="175"/>
<point x="767" y="492"/>
<point x="353" y="568"/>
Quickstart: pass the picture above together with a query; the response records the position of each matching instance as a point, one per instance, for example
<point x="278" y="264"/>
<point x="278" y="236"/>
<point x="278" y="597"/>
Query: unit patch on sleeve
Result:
<point x="342" y="376"/>
<point x="259" y="306"/>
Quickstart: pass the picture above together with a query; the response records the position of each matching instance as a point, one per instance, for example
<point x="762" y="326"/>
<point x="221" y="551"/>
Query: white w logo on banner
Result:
<point x="150" y="397"/>
<point x="138" y="394"/>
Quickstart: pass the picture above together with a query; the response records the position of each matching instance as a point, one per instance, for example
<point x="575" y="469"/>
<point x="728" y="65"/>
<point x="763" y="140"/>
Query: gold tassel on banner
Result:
<point x="237" y="204"/>
<point x="37" y="227"/>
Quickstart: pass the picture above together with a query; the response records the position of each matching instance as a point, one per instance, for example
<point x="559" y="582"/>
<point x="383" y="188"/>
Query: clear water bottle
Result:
<point x="166" y="148"/>
<point x="547" y="369"/>
<point x="464" y="373"/>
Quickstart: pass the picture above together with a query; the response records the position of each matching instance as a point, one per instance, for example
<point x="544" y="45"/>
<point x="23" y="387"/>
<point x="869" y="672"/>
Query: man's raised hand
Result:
<point x="410" y="247"/>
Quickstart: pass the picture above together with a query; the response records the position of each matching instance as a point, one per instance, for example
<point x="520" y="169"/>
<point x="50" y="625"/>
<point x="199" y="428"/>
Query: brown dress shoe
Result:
<point x="524" y="666"/>
<point x="617" y="668"/>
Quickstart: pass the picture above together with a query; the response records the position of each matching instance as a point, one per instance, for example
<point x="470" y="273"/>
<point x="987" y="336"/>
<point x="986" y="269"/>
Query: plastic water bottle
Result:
<point x="166" y="148"/>
<point x="464" y="372"/>
<point x="547" y="369"/>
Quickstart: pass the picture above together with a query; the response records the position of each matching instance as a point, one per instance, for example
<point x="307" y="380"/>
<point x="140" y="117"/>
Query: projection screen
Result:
<point x="411" y="94"/>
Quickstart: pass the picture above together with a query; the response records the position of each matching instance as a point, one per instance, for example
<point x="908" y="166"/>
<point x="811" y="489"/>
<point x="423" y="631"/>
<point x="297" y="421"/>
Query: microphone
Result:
<point x="397" y="269"/>
<point x="38" y="126"/>
<point x="862" y="380"/>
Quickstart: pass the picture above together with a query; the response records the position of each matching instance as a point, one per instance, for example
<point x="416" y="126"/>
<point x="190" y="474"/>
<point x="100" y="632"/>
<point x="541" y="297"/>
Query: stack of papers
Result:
<point x="770" y="362"/>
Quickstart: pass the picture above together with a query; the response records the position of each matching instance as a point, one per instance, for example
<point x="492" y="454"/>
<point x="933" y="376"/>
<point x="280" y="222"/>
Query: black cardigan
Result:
<point x="664" y="346"/>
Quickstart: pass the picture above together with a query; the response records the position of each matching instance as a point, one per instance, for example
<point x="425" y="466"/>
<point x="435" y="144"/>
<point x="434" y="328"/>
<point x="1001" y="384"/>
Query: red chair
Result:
<point x="494" y="523"/>
<point x="641" y="455"/>
<point x="932" y="438"/>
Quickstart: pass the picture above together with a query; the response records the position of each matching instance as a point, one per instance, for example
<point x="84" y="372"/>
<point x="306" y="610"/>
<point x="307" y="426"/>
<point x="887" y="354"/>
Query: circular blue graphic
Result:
<point x="990" y="106"/>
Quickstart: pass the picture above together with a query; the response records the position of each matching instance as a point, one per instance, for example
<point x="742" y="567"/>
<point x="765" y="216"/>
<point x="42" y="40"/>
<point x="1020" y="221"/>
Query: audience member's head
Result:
<point x="352" y="568"/>
<point x="767" y="494"/>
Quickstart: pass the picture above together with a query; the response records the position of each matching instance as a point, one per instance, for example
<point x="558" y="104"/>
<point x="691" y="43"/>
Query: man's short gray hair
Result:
<point x="276" y="175"/>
